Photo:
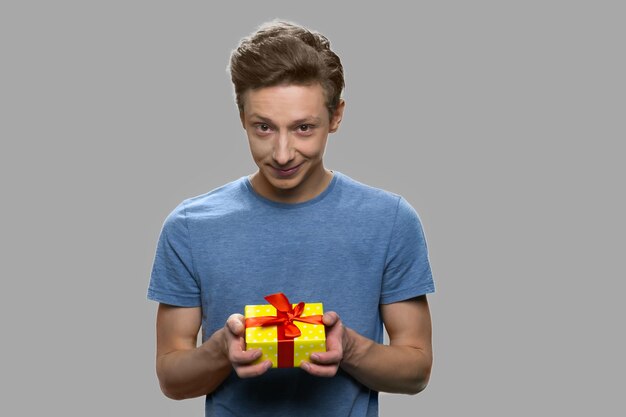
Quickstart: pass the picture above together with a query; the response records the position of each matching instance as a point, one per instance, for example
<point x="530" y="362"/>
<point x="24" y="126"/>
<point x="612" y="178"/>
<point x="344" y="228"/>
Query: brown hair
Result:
<point x="284" y="53"/>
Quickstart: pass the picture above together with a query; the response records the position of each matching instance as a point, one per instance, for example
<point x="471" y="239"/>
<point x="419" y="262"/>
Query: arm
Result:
<point x="401" y="367"/>
<point x="186" y="370"/>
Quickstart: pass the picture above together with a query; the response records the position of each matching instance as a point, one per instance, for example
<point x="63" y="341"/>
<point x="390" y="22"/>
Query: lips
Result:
<point x="286" y="172"/>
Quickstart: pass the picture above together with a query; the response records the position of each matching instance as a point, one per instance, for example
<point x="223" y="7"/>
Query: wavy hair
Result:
<point x="281" y="52"/>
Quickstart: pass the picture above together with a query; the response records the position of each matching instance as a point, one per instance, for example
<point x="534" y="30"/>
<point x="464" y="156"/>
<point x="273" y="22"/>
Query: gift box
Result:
<point x="286" y="333"/>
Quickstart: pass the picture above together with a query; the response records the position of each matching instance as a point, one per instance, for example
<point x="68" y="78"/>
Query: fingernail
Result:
<point x="305" y="366"/>
<point x="315" y="357"/>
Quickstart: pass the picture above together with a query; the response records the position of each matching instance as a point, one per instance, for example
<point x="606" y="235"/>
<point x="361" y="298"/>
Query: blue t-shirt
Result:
<point x="352" y="248"/>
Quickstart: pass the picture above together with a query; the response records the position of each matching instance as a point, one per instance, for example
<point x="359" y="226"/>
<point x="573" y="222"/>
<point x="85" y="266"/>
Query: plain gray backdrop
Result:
<point x="501" y="122"/>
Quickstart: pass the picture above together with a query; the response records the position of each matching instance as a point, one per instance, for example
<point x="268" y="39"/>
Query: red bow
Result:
<point x="286" y="314"/>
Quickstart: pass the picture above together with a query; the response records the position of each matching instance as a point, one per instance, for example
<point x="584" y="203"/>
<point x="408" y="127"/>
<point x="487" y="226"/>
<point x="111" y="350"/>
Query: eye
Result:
<point x="262" y="128"/>
<point x="305" y="128"/>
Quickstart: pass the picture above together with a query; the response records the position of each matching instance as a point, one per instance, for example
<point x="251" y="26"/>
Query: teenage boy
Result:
<point x="298" y="228"/>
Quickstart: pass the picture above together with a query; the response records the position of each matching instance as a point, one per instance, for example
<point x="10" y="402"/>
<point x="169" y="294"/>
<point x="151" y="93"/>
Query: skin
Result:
<point x="287" y="127"/>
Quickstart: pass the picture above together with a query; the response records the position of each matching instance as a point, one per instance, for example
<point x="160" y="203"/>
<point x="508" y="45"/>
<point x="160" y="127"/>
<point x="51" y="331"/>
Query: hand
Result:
<point x="235" y="349"/>
<point x="326" y="364"/>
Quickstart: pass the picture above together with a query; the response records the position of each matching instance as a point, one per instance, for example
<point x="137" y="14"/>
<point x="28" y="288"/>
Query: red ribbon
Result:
<point x="286" y="314"/>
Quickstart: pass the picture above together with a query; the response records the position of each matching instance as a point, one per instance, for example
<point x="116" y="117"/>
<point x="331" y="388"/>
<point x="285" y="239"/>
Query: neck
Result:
<point x="306" y="190"/>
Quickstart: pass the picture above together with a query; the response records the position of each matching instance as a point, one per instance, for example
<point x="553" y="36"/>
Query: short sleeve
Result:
<point x="173" y="280"/>
<point x="407" y="272"/>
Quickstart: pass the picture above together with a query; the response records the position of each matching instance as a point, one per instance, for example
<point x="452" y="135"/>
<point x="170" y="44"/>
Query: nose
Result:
<point x="283" y="149"/>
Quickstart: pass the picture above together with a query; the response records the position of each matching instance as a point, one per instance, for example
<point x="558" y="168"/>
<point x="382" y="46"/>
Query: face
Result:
<point x="287" y="128"/>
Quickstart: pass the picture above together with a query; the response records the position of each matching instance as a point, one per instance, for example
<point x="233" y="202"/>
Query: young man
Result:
<point x="292" y="227"/>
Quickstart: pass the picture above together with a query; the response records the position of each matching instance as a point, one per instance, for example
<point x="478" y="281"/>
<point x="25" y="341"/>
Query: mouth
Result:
<point x="286" y="172"/>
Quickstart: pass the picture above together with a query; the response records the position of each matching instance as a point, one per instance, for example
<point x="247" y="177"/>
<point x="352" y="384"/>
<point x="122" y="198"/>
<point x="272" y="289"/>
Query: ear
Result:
<point x="337" y="116"/>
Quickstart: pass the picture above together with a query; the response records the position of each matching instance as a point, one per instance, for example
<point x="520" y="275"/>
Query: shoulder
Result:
<point x="217" y="202"/>
<point x="368" y="197"/>
<point x="376" y="203"/>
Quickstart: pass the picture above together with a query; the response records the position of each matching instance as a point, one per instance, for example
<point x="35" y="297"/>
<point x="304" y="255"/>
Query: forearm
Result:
<point x="194" y="372"/>
<point x="387" y="368"/>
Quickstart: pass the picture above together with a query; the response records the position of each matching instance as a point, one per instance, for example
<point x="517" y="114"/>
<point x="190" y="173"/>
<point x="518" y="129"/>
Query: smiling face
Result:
<point x="287" y="128"/>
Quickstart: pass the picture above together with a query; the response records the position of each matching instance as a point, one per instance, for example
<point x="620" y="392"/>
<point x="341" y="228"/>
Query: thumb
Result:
<point x="235" y="324"/>
<point x="330" y="318"/>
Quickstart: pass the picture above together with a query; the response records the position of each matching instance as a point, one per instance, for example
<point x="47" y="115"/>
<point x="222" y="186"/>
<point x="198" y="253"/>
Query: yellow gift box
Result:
<point x="286" y="333"/>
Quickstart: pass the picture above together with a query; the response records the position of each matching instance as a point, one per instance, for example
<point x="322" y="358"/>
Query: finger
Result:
<point x="319" y="370"/>
<point x="332" y="357"/>
<point x="240" y="357"/>
<point x="250" y="371"/>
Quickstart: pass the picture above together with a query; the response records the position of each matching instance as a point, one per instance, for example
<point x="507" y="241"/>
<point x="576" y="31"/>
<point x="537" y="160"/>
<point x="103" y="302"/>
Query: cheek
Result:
<point x="313" y="148"/>
<point x="259" y="149"/>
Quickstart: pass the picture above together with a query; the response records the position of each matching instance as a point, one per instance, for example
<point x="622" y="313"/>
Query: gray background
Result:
<point x="501" y="122"/>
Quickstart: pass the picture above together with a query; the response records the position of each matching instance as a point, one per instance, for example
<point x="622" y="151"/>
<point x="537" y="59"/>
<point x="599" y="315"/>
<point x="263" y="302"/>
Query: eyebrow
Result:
<point x="267" y="120"/>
